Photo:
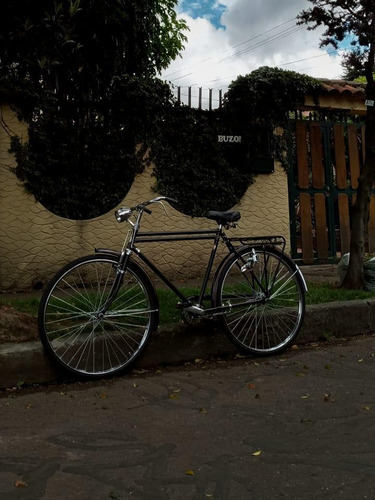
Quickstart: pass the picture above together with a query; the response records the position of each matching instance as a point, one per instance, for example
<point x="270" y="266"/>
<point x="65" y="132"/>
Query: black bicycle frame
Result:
<point x="216" y="236"/>
<point x="169" y="236"/>
<point x="159" y="237"/>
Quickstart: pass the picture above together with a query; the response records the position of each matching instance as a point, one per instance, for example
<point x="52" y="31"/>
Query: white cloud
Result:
<point x="257" y="33"/>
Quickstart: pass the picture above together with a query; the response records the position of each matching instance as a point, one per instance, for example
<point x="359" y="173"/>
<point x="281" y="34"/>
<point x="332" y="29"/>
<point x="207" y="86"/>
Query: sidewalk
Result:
<point x="177" y="344"/>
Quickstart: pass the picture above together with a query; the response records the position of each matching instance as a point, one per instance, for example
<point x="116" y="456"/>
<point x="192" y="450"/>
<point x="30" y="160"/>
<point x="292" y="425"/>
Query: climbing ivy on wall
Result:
<point x="266" y="97"/>
<point x="82" y="75"/>
<point x="204" y="174"/>
<point x="193" y="166"/>
<point x="80" y="161"/>
<point x="76" y="174"/>
<point x="81" y="158"/>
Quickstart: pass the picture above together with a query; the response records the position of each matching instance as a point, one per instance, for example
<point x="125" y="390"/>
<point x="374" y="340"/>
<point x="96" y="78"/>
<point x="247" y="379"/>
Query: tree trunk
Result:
<point x="360" y="214"/>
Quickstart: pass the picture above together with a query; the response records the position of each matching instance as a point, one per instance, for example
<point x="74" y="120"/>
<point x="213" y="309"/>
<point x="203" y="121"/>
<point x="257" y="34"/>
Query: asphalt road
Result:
<point x="298" y="426"/>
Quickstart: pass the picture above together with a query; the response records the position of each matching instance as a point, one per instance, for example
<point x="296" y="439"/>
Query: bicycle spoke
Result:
<point x="271" y="321"/>
<point x="75" y="329"/>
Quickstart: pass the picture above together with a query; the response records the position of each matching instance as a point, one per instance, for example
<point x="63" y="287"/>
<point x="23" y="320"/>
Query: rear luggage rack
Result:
<point x="276" y="241"/>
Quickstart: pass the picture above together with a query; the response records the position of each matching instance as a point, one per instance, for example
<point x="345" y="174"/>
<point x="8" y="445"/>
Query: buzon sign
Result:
<point x="229" y="138"/>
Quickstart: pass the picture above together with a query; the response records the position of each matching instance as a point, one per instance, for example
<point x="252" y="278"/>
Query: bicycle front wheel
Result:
<point x="74" y="332"/>
<point x="265" y="300"/>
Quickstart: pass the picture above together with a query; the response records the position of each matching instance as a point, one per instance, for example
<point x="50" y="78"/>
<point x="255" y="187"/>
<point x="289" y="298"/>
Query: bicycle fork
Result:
<point x="116" y="285"/>
<point x="121" y="266"/>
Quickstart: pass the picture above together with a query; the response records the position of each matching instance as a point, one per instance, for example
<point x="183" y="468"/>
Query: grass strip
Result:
<point x="323" y="293"/>
<point x="169" y="313"/>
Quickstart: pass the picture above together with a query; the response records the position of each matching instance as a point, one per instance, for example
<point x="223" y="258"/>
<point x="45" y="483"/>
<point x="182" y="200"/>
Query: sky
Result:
<point x="228" y="38"/>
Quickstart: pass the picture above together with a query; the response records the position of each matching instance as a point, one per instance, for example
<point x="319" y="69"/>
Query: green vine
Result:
<point x="81" y="156"/>
<point x="193" y="166"/>
<point x="80" y="161"/>
<point x="266" y="97"/>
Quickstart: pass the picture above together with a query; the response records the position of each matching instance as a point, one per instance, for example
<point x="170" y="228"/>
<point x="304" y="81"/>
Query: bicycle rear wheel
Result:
<point x="272" y="297"/>
<point x="73" y="332"/>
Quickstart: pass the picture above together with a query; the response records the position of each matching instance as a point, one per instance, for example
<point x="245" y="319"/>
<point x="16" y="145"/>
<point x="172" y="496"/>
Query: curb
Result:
<point x="178" y="344"/>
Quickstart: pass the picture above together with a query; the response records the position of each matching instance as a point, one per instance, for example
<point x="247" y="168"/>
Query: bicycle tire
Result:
<point x="272" y="324"/>
<point x="72" y="333"/>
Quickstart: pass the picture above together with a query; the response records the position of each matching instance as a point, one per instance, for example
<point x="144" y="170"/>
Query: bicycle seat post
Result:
<point x="210" y="264"/>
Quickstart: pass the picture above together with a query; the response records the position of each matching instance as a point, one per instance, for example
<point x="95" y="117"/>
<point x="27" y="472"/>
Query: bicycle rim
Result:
<point x="74" y="333"/>
<point x="274" y="297"/>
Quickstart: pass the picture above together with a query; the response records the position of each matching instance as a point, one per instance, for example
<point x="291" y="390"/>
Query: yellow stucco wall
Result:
<point x="34" y="243"/>
<point x="353" y="103"/>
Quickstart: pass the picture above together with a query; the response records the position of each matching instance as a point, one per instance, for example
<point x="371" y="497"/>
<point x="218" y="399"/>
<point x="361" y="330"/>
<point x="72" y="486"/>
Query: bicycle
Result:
<point x="98" y="312"/>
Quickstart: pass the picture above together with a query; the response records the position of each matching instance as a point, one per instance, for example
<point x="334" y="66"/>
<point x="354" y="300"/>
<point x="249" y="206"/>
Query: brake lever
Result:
<point x="162" y="204"/>
<point x="169" y="200"/>
<point x="165" y="210"/>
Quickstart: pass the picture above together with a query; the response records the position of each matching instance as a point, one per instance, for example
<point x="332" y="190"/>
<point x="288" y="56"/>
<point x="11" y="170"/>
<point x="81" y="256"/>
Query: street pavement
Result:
<point x="299" y="426"/>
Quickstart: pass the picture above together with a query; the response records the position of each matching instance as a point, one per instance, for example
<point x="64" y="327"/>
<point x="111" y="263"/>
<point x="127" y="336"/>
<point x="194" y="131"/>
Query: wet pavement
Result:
<point x="300" y="425"/>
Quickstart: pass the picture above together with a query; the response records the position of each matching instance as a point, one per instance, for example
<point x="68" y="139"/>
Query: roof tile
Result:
<point x="341" y="86"/>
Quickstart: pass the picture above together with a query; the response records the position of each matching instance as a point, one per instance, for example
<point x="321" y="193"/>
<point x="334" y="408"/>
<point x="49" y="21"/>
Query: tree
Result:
<point x="79" y="46"/>
<point x="82" y="74"/>
<point x="353" y="64"/>
<point x="354" y="19"/>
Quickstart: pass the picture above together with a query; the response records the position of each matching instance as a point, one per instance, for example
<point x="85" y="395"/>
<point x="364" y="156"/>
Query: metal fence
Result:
<point x="198" y="97"/>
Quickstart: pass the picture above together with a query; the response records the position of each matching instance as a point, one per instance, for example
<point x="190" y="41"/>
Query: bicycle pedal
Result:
<point x="195" y="310"/>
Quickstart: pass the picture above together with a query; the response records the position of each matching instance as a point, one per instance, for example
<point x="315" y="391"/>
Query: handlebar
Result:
<point x="154" y="200"/>
<point x="123" y="213"/>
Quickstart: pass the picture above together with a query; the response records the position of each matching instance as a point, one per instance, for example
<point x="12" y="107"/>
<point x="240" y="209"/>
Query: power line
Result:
<point x="288" y="31"/>
<point x="239" y="44"/>
<point x="261" y="34"/>
<point x="278" y="36"/>
<point x="307" y="58"/>
<point x="183" y="76"/>
<point x="243" y="52"/>
<point x="279" y="65"/>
